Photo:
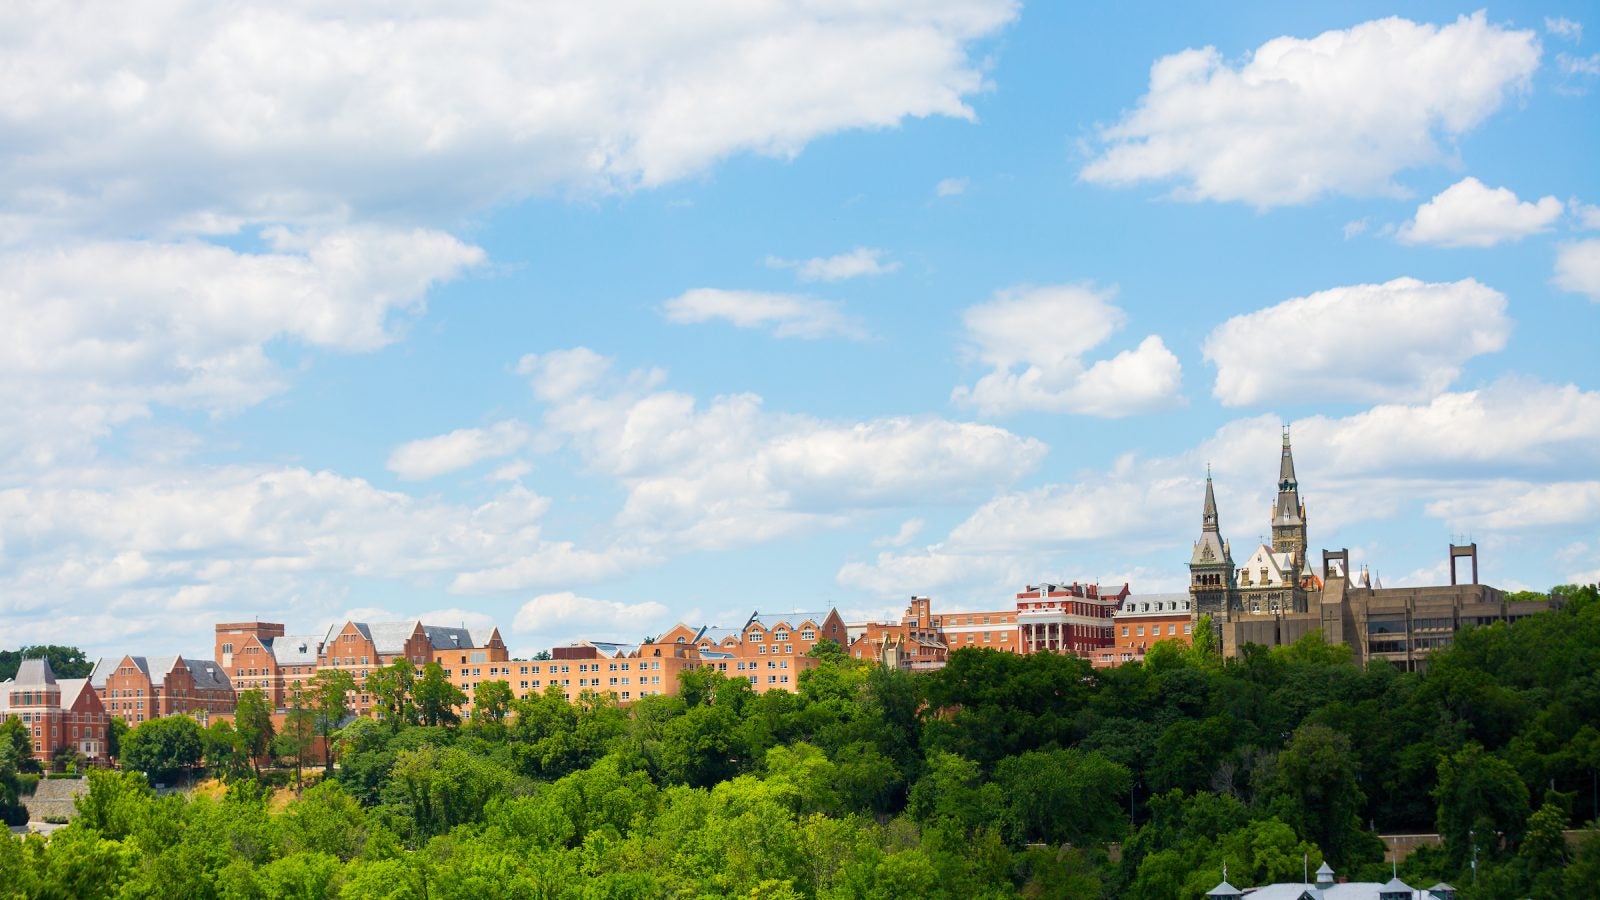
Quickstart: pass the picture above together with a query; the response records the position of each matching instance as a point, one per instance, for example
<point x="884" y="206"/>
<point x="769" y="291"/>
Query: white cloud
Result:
<point x="1510" y="504"/>
<point x="1469" y="214"/>
<point x="555" y="619"/>
<point x="862" y="261"/>
<point x="728" y="472"/>
<point x="1578" y="268"/>
<point x="161" y="548"/>
<point x="951" y="187"/>
<point x="908" y="530"/>
<point x="98" y="333"/>
<point x="933" y="571"/>
<point x="1588" y="215"/>
<point x="199" y="116"/>
<point x="1034" y="339"/>
<point x="1578" y="65"/>
<point x="431" y="457"/>
<point x="1401" y="340"/>
<point x="1513" y="456"/>
<point x="1356" y="228"/>
<point x="1339" y="113"/>
<point x="787" y="315"/>
<point x="1565" y="28"/>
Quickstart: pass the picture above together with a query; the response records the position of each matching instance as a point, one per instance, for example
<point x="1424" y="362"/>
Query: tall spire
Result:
<point x="1286" y="480"/>
<point x="1208" y="518"/>
<point x="1287" y="511"/>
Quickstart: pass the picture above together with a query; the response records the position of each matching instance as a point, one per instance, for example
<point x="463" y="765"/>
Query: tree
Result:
<point x="330" y="705"/>
<point x="15" y="735"/>
<point x="116" y="803"/>
<point x="298" y="735"/>
<point x="252" y="719"/>
<point x="491" y="702"/>
<point x="1480" y="797"/>
<point x="391" y="688"/>
<point x="1065" y="796"/>
<point x="225" y="755"/>
<point x="437" y="698"/>
<point x="66" y="662"/>
<point x="116" y="729"/>
<point x="1319" y="795"/>
<point x="164" y="747"/>
<point x="12" y="812"/>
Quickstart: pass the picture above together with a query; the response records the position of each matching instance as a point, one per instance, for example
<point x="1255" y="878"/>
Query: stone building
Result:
<point x="1275" y="598"/>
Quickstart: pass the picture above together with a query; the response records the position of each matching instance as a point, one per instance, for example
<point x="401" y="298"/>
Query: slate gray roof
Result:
<point x="388" y="637"/>
<point x="294" y="649"/>
<point x="35" y="673"/>
<point x="103" y="667"/>
<point x="71" y="688"/>
<point x="208" y="676"/>
<point x="793" y="619"/>
<point x="443" y="637"/>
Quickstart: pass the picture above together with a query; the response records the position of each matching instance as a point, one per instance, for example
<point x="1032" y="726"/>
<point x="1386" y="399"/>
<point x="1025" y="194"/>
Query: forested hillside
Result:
<point x="998" y="776"/>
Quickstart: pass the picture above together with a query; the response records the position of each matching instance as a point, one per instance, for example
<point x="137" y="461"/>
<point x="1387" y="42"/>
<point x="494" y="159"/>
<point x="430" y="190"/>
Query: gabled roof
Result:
<point x="294" y="649"/>
<point x="443" y="637"/>
<point x="103" y="667"/>
<point x="209" y="676"/>
<point x="389" y="637"/>
<point x="72" y="689"/>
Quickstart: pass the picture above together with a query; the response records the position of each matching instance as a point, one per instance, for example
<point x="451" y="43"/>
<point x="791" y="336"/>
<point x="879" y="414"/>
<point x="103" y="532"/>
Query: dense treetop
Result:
<point x="998" y="776"/>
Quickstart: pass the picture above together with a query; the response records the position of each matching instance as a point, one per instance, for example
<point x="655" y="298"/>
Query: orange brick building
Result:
<point x="137" y="688"/>
<point x="1142" y="621"/>
<point x="916" y="643"/>
<point x="56" y="713"/>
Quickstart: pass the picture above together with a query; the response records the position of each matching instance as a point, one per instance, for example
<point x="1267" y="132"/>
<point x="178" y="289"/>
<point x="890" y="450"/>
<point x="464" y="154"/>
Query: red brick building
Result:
<point x="57" y="714"/>
<point x="137" y="688"/>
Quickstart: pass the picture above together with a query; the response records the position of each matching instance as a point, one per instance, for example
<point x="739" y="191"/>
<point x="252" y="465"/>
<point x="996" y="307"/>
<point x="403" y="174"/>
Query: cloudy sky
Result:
<point x="588" y="319"/>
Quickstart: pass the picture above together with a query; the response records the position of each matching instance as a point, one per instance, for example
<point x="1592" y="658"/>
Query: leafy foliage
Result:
<point x="999" y="776"/>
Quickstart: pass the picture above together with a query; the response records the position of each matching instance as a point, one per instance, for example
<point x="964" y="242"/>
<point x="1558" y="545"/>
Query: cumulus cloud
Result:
<point x="199" y="116"/>
<point x="729" y="472"/>
<point x="908" y="530"/>
<point x="435" y="456"/>
<point x="1515" y="455"/>
<point x="857" y="263"/>
<point x="1514" y="504"/>
<point x="97" y="333"/>
<point x="785" y="315"/>
<point x="1401" y="340"/>
<point x="1340" y="113"/>
<point x="1564" y="28"/>
<point x="1578" y="268"/>
<point x="1469" y="214"/>
<point x="559" y="618"/>
<point x="951" y="187"/>
<point x="162" y="548"/>
<point x="1035" y="338"/>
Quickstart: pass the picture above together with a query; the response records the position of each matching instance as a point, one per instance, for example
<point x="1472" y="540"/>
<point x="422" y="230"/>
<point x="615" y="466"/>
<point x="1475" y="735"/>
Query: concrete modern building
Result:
<point x="57" y="713"/>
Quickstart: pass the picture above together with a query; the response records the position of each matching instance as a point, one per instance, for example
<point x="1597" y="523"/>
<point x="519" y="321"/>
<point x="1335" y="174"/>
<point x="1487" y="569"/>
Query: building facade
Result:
<point x="137" y="688"/>
<point x="1276" y="597"/>
<point x="1143" y="620"/>
<point x="58" y="714"/>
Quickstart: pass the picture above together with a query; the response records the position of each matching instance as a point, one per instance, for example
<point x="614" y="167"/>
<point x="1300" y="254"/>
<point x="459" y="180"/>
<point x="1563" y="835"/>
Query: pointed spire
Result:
<point x="1208" y="518"/>
<point x="1286" y="479"/>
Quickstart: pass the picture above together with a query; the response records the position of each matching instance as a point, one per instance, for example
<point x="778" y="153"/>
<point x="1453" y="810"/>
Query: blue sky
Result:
<point x="582" y="322"/>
